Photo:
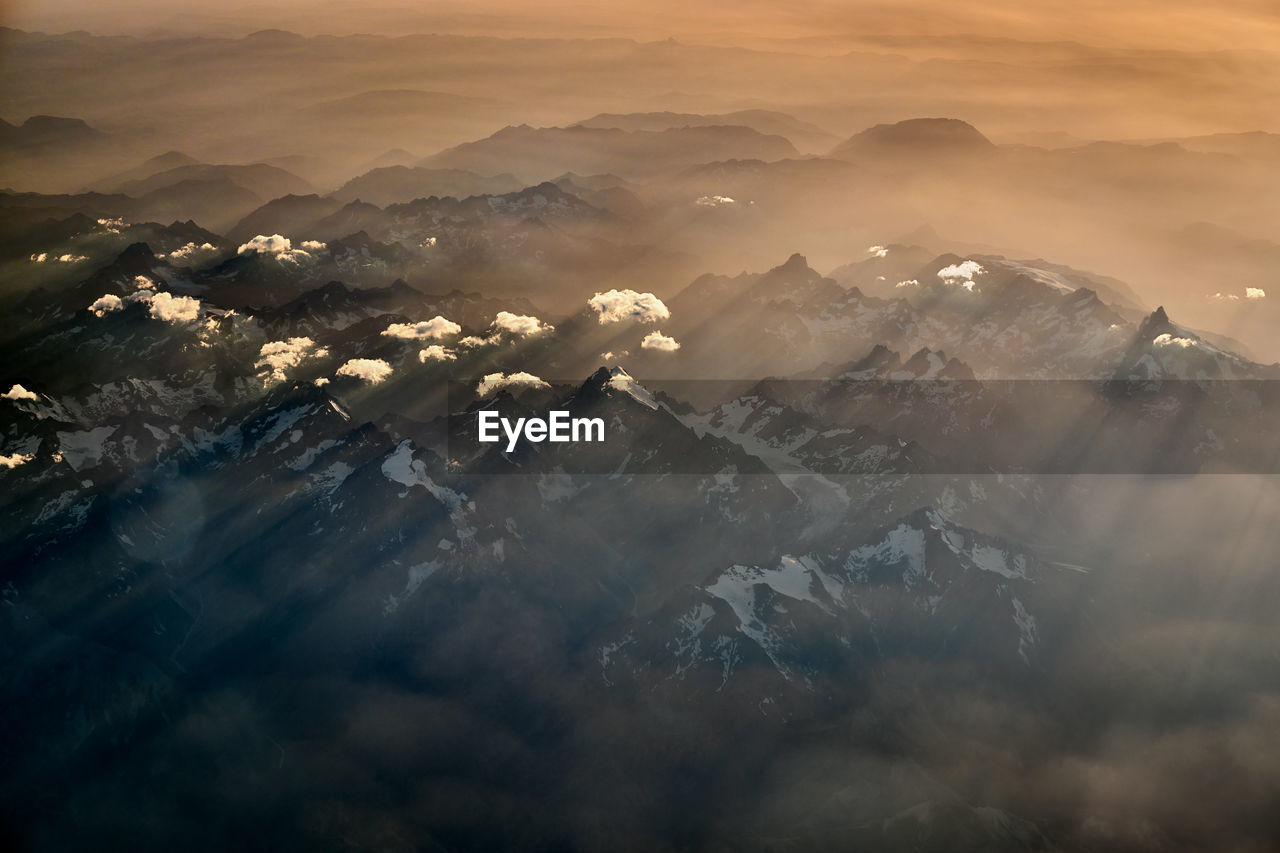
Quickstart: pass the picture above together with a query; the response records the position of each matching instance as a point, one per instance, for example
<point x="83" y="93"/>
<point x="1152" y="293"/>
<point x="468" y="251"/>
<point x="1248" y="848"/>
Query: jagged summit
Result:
<point x="930" y="364"/>
<point x="608" y="380"/>
<point x="796" y="263"/>
<point x="1155" y="324"/>
<point x="880" y="357"/>
<point x="601" y="377"/>
<point x="885" y="363"/>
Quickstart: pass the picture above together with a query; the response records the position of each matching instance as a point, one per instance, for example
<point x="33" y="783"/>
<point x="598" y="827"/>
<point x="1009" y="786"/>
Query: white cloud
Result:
<point x="877" y="251"/>
<point x="611" y="355"/>
<point x="911" y="282"/>
<point x="1249" y="293"/>
<point x="435" y="352"/>
<point x="660" y="342"/>
<point x="371" y="370"/>
<point x="17" y="392"/>
<point x="322" y="381"/>
<point x="961" y="274"/>
<point x="505" y="323"/>
<point x="43" y="257"/>
<point x="191" y="254"/>
<point x="174" y="309"/>
<point x="105" y="304"/>
<point x="313" y="245"/>
<point x="112" y="226"/>
<point x="277" y="358"/>
<point x="617" y="305"/>
<point x="15" y="459"/>
<point x="495" y="381"/>
<point x="277" y="245"/>
<point x="521" y="325"/>
<point x="1168" y="340"/>
<point x="108" y="302"/>
<point x="714" y="200"/>
<point x="434" y="329"/>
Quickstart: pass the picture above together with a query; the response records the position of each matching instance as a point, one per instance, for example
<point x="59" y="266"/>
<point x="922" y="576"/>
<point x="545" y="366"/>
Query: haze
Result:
<point x="822" y="586"/>
<point x="1179" y="224"/>
<point x="821" y="26"/>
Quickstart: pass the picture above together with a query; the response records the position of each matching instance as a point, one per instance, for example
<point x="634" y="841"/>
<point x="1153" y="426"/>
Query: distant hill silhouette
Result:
<point x="933" y="136"/>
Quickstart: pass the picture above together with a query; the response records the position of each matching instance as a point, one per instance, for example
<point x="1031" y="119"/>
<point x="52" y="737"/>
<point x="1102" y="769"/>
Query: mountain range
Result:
<point x="894" y="541"/>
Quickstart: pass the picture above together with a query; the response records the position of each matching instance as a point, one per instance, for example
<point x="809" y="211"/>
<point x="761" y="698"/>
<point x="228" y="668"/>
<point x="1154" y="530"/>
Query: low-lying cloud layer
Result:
<point x="42" y="257"/>
<point x="191" y="254"/>
<point x="657" y="341"/>
<point x="277" y="358"/>
<point x="1168" y="340"/>
<point x="106" y="304"/>
<point x="175" y="309"/>
<point x="434" y="329"/>
<point x="17" y="392"/>
<point x="436" y="352"/>
<point x="1249" y="293"/>
<point x="519" y="325"/>
<point x="614" y="306"/>
<point x="280" y="247"/>
<point x="961" y="274"/>
<point x="496" y="381"/>
<point x="178" y="310"/>
<point x="371" y="370"/>
<point x="13" y="460"/>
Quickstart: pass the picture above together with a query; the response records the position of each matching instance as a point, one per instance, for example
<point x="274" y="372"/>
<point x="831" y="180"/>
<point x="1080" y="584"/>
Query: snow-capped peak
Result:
<point x="622" y="381"/>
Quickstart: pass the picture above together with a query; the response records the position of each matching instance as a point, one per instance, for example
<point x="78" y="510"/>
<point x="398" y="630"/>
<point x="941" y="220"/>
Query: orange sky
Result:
<point x="1152" y="24"/>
